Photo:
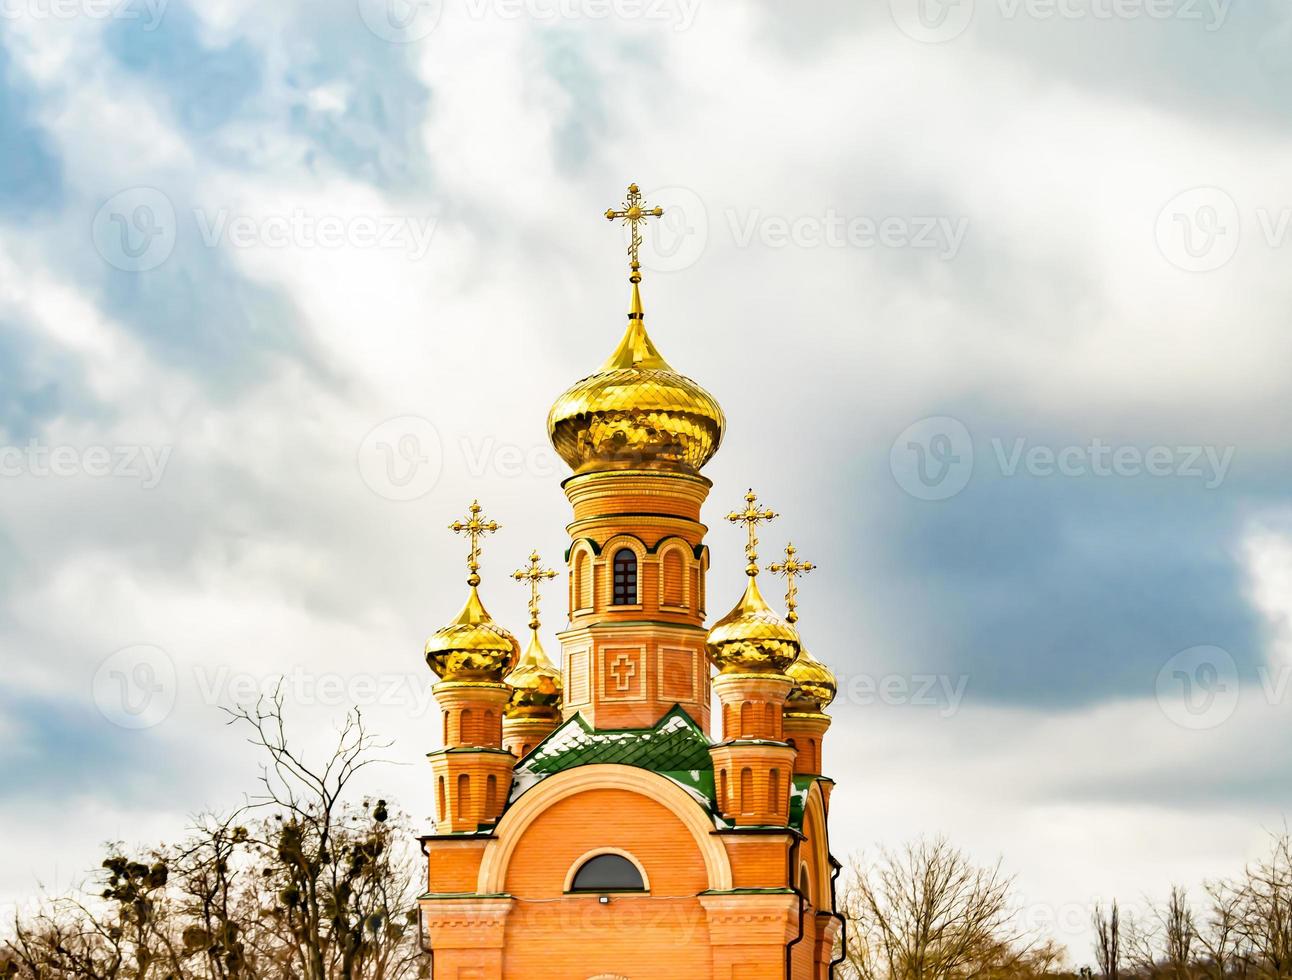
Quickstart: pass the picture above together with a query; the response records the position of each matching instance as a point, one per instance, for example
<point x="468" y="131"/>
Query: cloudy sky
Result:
<point x="993" y="292"/>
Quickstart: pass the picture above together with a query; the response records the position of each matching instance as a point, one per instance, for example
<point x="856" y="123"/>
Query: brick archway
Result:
<point x="531" y="803"/>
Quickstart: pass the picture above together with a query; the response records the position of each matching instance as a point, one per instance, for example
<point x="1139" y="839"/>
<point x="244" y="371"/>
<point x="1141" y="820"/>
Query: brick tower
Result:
<point x="534" y="708"/>
<point x="470" y="655"/>
<point x="628" y="844"/>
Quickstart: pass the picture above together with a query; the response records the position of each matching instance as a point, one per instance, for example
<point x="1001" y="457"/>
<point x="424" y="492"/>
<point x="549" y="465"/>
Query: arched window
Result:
<point x="673" y="570"/>
<point x="625" y="570"/>
<point x="464" y="795"/>
<point x="583" y="581"/>
<point x="608" y="873"/>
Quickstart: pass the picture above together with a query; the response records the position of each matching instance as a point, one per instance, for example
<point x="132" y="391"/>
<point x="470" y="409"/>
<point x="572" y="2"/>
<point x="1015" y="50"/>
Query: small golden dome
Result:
<point x="536" y="684"/>
<point x="752" y="638"/>
<point x="814" y="684"/>
<point x="636" y="413"/>
<point x="472" y="647"/>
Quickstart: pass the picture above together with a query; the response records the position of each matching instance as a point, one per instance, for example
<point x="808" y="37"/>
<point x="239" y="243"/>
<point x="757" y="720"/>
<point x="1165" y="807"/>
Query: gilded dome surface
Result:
<point x="636" y="413"/>
<point x="472" y="647"/>
<point x="752" y="638"/>
<point x="814" y="684"/>
<point x="536" y="684"/>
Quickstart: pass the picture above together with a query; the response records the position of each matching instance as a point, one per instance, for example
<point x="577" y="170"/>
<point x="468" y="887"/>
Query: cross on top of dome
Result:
<point x="633" y="212"/>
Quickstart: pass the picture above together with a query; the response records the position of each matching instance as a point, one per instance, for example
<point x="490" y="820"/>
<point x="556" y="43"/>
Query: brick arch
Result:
<point x="605" y="560"/>
<point x="676" y="560"/>
<point x="583" y="557"/>
<point x="817" y="856"/>
<point x="532" y="803"/>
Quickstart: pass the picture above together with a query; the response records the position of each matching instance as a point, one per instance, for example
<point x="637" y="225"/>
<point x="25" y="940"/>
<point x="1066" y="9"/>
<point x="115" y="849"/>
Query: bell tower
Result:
<point x="636" y="434"/>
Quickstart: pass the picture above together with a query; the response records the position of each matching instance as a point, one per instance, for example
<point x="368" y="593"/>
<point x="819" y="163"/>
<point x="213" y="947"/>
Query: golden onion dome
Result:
<point x="472" y="647"/>
<point x="636" y="412"/>
<point x="752" y="638"/>
<point x="536" y="684"/>
<point x="814" y="684"/>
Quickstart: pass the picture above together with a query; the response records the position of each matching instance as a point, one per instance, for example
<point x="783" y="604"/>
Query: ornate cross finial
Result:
<point x="751" y="517"/>
<point x="790" y="569"/>
<point x="534" y="574"/>
<point x="474" y="527"/>
<point x="632" y="212"/>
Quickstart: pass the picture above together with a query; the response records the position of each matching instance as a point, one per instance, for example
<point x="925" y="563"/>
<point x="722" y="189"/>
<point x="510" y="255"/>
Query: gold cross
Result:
<point x="475" y="527"/>
<point x="751" y="517"/>
<point x="633" y="211"/>
<point x="533" y="574"/>
<point x="790" y="569"/>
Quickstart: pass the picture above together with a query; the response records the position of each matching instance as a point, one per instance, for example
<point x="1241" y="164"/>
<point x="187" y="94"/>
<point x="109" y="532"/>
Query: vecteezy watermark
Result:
<point x="147" y="464"/>
<point x="302" y="230"/>
<point x="401" y="458"/>
<point x="1200" y="230"/>
<point x="1097" y="458"/>
<point x="411" y="692"/>
<point x="136" y="686"/>
<point x="678" y="14"/>
<point x="134" y="230"/>
<point x="404" y="21"/>
<point x="933" y="459"/>
<point x="936" y="21"/>
<point x="936" y="233"/>
<point x="149" y="12"/>
<point x="137" y="229"/>
<point x="932" y="21"/>
<point x="401" y="21"/>
<point x="679" y="237"/>
<point x="1198" y="687"/>
<point x="942" y="691"/>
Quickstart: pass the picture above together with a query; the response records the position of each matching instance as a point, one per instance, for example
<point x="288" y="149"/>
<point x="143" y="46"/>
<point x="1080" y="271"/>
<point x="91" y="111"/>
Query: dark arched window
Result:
<point x="625" y="577"/>
<point x="608" y="873"/>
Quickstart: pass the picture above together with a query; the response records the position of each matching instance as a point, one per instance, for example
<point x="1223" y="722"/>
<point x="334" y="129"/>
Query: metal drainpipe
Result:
<point x="421" y="922"/>
<point x="836" y="914"/>
<point x="792" y="861"/>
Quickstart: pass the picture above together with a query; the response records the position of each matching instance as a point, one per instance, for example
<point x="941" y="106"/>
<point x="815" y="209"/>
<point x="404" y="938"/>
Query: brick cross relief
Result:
<point x="624" y="669"/>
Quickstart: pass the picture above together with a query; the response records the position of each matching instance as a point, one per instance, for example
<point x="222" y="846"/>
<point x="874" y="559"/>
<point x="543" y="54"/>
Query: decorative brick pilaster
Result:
<point x="466" y="935"/>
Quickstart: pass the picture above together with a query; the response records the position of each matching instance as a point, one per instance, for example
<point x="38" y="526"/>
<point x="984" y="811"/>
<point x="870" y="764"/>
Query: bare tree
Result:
<point x="1219" y="939"/>
<point x="1263" y="910"/>
<point x="927" y="913"/>
<point x="299" y="883"/>
<point x="1108" y="940"/>
<point x="1179" y="934"/>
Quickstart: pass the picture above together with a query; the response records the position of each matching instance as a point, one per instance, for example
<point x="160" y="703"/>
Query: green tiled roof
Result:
<point x="675" y="747"/>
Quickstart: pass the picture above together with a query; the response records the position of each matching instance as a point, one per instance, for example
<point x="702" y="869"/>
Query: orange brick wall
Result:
<point x="660" y="937"/>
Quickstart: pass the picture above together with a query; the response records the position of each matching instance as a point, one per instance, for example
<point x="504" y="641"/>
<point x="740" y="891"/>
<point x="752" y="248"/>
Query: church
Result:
<point x="592" y="821"/>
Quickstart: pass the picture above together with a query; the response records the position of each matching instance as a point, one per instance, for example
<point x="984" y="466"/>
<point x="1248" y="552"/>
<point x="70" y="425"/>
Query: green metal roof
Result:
<point x="675" y="747"/>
